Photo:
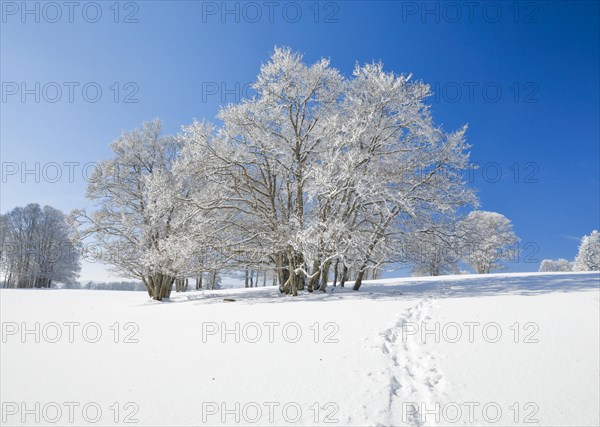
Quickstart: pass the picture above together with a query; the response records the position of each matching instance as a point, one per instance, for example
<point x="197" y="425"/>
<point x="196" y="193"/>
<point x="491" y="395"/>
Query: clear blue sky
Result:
<point x="525" y="79"/>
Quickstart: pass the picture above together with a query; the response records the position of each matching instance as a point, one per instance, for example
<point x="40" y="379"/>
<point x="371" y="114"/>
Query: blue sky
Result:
<point x="523" y="75"/>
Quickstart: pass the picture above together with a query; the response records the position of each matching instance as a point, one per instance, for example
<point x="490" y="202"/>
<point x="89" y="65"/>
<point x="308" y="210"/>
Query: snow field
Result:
<point x="502" y="349"/>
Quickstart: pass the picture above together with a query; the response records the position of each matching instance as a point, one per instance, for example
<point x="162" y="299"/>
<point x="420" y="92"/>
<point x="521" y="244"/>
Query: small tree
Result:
<point x="588" y="258"/>
<point x="488" y="239"/>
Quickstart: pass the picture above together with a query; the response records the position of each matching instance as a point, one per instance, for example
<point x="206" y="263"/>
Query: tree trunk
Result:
<point x="359" y="278"/>
<point x="151" y="286"/>
<point x="161" y="285"/>
<point x="335" y="272"/>
<point x="279" y="267"/>
<point x="344" y="276"/>
<point x="166" y="286"/>
<point x="301" y="281"/>
<point x="294" y="284"/>
<point x="293" y="278"/>
<point x="169" y="287"/>
<point x="148" y="284"/>
<point x="314" y="280"/>
<point x="325" y="276"/>
<point x="284" y="273"/>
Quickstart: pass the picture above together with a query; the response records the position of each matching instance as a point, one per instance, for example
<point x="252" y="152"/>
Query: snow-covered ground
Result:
<point x="502" y="349"/>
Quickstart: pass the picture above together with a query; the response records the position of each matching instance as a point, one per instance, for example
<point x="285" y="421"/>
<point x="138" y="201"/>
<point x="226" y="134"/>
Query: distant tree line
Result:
<point x="36" y="248"/>
<point x="110" y="286"/>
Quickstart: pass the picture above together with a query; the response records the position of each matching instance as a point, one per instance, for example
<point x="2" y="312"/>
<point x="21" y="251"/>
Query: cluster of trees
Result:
<point x="316" y="172"/>
<point x="551" y="265"/>
<point x="481" y="239"/>
<point x="36" y="249"/>
<point x="587" y="259"/>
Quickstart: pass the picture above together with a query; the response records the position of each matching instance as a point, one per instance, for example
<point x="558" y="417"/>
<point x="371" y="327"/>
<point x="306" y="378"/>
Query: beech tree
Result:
<point x="315" y="171"/>
<point x="132" y="223"/>
<point x="434" y="250"/>
<point x="488" y="240"/>
<point x="318" y="169"/>
<point x="266" y="150"/>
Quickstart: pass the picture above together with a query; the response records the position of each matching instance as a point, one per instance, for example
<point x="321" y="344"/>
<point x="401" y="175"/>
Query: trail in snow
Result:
<point x="414" y="376"/>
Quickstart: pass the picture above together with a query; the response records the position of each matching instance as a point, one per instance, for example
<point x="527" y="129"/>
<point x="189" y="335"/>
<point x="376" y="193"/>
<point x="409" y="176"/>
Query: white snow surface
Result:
<point x="368" y="366"/>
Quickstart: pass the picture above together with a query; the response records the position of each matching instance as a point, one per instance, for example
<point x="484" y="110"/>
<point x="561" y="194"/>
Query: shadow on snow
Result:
<point x="408" y="288"/>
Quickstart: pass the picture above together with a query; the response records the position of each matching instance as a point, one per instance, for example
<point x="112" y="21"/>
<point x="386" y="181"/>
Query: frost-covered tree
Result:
<point x="37" y="249"/>
<point x="213" y="236"/>
<point x="435" y="250"/>
<point x="277" y="138"/>
<point x="137" y="211"/>
<point x="315" y="171"/>
<point x="405" y="169"/>
<point x="318" y="169"/>
<point x="488" y="239"/>
<point x="552" y="265"/>
<point x="588" y="257"/>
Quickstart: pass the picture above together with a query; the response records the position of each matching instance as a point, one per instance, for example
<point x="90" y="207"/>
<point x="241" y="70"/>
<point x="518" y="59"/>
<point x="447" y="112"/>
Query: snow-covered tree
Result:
<point x="588" y="257"/>
<point x="37" y="249"/>
<point x="317" y="169"/>
<point x="551" y="265"/>
<point x="434" y="250"/>
<point x="405" y="169"/>
<point x="137" y="213"/>
<point x="488" y="239"/>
